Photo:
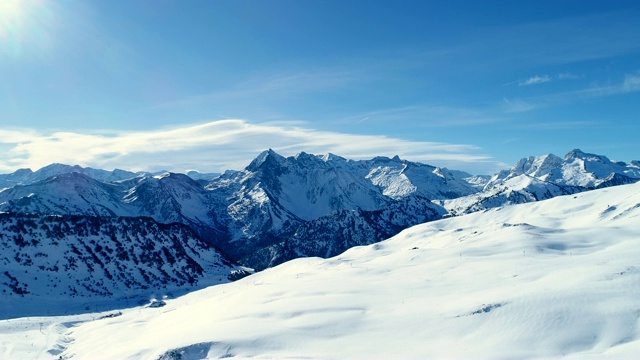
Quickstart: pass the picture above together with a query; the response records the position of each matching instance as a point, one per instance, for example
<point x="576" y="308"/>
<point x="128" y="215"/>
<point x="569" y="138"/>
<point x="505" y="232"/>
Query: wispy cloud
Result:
<point x="278" y="85"/>
<point x="535" y="80"/>
<point x="541" y="79"/>
<point x="558" y="125"/>
<point x="517" y="105"/>
<point x="219" y="145"/>
<point x="569" y="76"/>
<point x="429" y="116"/>
<point x="629" y="84"/>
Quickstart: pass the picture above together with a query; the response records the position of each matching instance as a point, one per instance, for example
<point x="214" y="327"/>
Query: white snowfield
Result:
<point x="551" y="279"/>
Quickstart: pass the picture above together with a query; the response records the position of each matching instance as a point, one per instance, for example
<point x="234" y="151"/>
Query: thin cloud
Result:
<point x="286" y="84"/>
<point x="218" y="146"/>
<point x="433" y="116"/>
<point x="535" y="80"/>
<point x="517" y="106"/>
<point x="569" y="76"/>
<point x="559" y="125"/>
<point x="629" y="84"/>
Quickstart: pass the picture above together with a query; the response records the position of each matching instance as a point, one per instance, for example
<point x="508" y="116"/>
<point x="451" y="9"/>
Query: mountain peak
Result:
<point x="575" y="153"/>
<point x="329" y="157"/>
<point x="70" y="177"/>
<point x="579" y="154"/>
<point x="537" y="165"/>
<point x="262" y="158"/>
<point x="385" y="159"/>
<point x="305" y="156"/>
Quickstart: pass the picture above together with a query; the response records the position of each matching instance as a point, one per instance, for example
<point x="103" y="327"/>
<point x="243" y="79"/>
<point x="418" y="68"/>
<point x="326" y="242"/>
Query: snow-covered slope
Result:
<point x="65" y="194"/>
<point x="550" y="279"/>
<point x="80" y="260"/>
<point x="538" y="178"/>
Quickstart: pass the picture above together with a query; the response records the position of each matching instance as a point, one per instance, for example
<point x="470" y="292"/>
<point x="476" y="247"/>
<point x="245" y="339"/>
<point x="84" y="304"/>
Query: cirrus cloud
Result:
<point x="219" y="145"/>
<point x="535" y="80"/>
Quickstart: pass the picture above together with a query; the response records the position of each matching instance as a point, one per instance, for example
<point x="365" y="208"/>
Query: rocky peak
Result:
<point x="579" y="154"/>
<point x="267" y="157"/>
<point x="329" y="157"/>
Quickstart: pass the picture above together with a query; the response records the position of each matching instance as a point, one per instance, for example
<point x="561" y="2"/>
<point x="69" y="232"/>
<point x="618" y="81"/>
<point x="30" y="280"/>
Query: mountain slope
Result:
<point x="335" y="233"/>
<point x="79" y="259"/>
<point x="555" y="278"/>
<point x="544" y="177"/>
<point x="65" y="194"/>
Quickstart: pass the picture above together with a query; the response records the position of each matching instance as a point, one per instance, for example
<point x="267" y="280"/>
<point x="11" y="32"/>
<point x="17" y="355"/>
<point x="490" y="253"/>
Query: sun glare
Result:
<point x="11" y="13"/>
<point x="12" y="21"/>
<point x="24" y="25"/>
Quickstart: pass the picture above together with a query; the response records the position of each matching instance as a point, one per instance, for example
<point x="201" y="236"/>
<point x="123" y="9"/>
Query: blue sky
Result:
<point x="207" y="85"/>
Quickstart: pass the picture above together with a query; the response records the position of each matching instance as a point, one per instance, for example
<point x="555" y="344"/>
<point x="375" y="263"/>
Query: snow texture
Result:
<point x="550" y="279"/>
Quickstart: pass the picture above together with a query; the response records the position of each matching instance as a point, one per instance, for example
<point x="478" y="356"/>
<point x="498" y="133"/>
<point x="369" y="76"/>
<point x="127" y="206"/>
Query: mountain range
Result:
<point x="546" y="280"/>
<point x="276" y="209"/>
<point x="542" y="177"/>
<point x="260" y="216"/>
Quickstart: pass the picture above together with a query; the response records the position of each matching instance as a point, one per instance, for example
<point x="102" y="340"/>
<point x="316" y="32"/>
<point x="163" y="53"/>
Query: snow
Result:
<point x="538" y="178"/>
<point x="550" y="279"/>
<point x="249" y="214"/>
<point x="396" y="185"/>
<point x="576" y="169"/>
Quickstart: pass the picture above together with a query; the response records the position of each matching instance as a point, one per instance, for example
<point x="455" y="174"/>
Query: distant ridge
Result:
<point x="279" y="208"/>
<point x="542" y="177"/>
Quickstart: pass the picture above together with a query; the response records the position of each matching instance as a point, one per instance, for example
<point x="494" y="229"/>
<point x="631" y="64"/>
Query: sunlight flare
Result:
<point x="25" y="25"/>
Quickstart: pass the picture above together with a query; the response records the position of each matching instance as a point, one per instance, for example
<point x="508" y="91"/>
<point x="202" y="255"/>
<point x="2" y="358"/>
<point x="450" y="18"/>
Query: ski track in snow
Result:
<point x="556" y="278"/>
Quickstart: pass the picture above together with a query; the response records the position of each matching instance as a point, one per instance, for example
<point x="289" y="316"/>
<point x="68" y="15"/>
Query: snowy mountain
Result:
<point x="264" y="214"/>
<point x="551" y="279"/>
<point x="196" y="175"/>
<point x="276" y="202"/>
<point x="544" y="177"/>
<point x="85" y="259"/>
<point x="66" y="194"/>
<point x="280" y="208"/>
<point x="27" y="176"/>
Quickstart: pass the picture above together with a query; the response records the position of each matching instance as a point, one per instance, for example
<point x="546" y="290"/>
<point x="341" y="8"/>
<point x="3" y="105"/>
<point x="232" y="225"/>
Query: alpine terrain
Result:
<point x="274" y="210"/>
<point x="550" y="279"/>
<point x="543" y="177"/>
<point x="94" y="238"/>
